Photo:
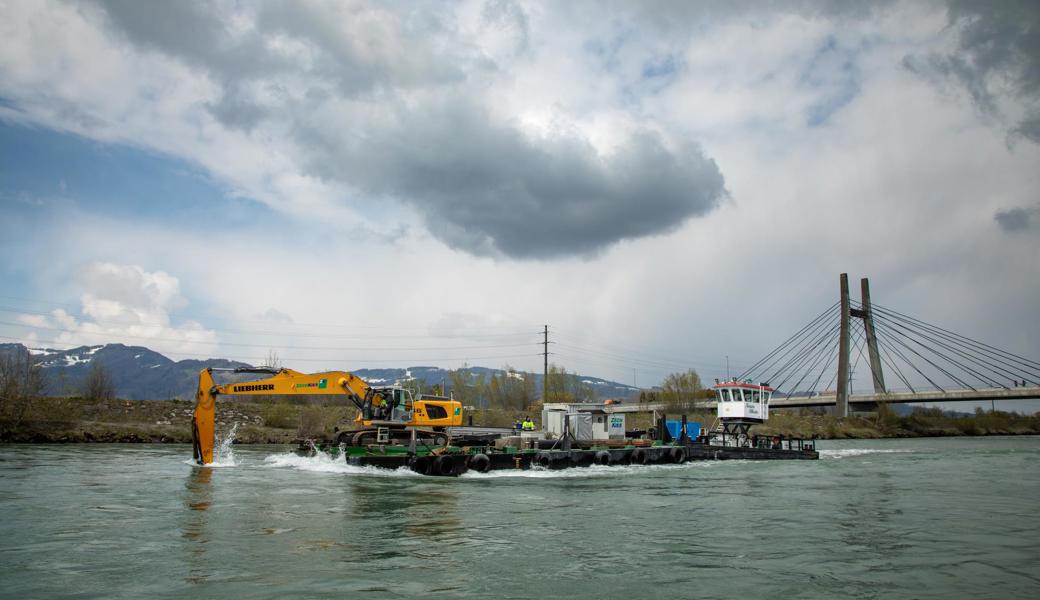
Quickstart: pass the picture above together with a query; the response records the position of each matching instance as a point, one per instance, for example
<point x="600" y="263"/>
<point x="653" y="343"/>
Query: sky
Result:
<point x="666" y="185"/>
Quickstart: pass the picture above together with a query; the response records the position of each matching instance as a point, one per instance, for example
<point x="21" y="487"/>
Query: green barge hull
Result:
<point x="451" y="461"/>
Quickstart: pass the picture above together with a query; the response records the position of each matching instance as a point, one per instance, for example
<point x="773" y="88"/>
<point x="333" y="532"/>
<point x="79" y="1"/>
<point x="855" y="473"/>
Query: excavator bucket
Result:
<point x="203" y="420"/>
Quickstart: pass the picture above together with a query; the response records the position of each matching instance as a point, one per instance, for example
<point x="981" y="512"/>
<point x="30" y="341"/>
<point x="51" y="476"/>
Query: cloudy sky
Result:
<point x="665" y="184"/>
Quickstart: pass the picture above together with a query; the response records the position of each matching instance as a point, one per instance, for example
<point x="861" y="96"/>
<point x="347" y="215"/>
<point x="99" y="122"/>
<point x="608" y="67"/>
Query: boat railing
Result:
<point x="764" y="442"/>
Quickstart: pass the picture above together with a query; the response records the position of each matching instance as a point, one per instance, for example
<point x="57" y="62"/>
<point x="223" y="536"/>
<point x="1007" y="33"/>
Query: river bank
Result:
<point x="76" y="420"/>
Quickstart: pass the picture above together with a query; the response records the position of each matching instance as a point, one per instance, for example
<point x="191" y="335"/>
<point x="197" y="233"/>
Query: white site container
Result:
<point x="588" y="422"/>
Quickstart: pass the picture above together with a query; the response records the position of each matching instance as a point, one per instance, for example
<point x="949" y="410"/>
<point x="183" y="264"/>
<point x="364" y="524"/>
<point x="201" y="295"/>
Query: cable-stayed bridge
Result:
<point x="922" y="362"/>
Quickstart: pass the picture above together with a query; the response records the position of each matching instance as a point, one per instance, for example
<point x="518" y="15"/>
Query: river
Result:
<point x="919" y="518"/>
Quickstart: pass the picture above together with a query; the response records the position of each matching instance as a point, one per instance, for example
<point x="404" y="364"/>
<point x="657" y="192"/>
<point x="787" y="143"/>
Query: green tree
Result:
<point x="682" y="389"/>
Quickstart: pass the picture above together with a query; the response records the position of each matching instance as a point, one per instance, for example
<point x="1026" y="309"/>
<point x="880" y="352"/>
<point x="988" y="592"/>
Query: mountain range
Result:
<point x="139" y="373"/>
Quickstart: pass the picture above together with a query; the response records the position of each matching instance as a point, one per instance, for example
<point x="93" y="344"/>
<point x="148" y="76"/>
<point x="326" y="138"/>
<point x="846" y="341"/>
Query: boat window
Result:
<point x="721" y="395"/>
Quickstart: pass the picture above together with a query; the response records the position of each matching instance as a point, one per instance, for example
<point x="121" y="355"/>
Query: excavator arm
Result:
<point x="283" y="382"/>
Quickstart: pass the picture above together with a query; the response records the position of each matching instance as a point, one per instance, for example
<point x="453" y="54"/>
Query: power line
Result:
<point x="629" y="350"/>
<point x="300" y="359"/>
<point x="617" y="363"/>
<point x="625" y="359"/>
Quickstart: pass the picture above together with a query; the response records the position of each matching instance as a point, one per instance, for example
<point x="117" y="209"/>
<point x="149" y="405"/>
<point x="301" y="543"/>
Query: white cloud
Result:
<point x="127" y="304"/>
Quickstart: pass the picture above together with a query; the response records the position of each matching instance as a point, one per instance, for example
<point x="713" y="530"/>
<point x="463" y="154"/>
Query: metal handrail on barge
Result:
<point x="764" y="442"/>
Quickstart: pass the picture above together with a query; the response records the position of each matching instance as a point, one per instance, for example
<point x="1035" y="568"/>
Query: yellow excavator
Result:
<point x="385" y="414"/>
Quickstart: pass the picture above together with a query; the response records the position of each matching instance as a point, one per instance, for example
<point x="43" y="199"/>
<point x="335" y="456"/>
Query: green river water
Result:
<point x="921" y="518"/>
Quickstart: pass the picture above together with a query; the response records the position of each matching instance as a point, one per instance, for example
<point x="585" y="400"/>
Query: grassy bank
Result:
<point x="80" y="420"/>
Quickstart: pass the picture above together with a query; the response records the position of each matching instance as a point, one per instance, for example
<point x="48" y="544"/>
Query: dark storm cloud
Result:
<point x="424" y="137"/>
<point x="356" y="62"/>
<point x="998" y="53"/>
<point x="1017" y="219"/>
<point x="191" y="32"/>
<point x="488" y="189"/>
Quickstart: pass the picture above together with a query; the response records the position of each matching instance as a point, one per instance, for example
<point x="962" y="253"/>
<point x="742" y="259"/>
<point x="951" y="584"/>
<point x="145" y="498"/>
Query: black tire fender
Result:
<point x="445" y="466"/>
<point x="544" y="460"/>
<point x="677" y="455"/>
<point x="480" y="463"/>
<point x="422" y="465"/>
<point x="639" y="456"/>
<point x="602" y="458"/>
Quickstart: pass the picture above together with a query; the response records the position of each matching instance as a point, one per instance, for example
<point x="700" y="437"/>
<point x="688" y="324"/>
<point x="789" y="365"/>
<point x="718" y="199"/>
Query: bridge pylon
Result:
<point x="841" y="408"/>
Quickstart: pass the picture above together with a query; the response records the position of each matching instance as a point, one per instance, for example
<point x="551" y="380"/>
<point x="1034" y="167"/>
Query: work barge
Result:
<point x="452" y="460"/>
<point x="394" y="430"/>
<point x="584" y="435"/>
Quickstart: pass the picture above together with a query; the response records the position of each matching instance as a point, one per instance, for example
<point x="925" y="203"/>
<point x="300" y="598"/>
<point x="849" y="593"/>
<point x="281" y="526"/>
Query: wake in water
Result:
<point x="849" y="452"/>
<point x="582" y="472"/>
<point x="326" y="463"/>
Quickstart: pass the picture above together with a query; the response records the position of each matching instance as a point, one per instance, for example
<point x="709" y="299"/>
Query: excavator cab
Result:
<point x="400" y="405"/>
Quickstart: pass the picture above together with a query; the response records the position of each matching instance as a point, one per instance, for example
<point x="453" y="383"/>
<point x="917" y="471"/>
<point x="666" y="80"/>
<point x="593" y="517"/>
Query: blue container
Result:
<point x="675" y="429"/>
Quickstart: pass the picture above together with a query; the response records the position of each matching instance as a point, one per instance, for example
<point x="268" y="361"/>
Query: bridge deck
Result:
<point x="1019" y="393"/>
